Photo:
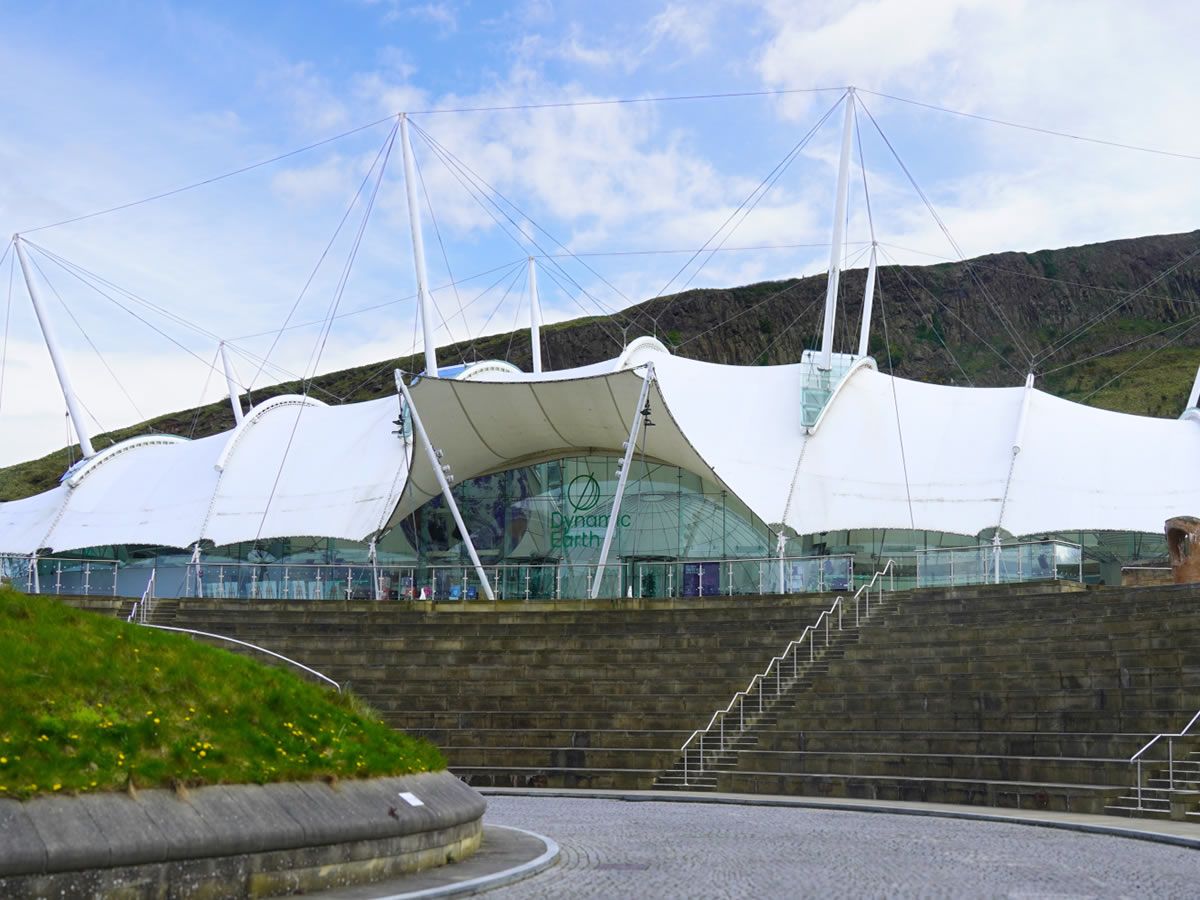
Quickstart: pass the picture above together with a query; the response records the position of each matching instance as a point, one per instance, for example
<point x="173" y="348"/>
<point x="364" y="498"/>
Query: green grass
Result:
<point x="89" y="703"/>
<point x="1155" y="385"/>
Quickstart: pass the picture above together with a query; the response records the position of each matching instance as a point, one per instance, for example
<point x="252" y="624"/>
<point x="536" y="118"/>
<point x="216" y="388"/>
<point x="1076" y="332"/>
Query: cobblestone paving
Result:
<point x="616" y="849"/>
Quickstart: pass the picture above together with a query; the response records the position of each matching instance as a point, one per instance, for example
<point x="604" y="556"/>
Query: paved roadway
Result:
<point x="619" y="849"/>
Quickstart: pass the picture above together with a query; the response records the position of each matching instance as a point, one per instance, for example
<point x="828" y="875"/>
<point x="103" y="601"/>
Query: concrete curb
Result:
<point x="248" y="839"/>
<point x="1144" y="830"/>
<point x="545" y="860"/>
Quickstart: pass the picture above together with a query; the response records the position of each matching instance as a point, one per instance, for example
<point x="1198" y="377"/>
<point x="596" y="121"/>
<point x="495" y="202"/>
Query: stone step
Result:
<point x="1085" y="798"/>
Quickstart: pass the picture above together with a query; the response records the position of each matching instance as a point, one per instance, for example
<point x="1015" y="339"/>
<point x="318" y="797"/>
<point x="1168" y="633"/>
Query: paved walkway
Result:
<point x="637" y="844"/>
<point x="616" y="848"/>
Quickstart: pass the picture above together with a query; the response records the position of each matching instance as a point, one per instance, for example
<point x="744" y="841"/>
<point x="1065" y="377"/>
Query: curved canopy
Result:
<point x="886" y="452"/>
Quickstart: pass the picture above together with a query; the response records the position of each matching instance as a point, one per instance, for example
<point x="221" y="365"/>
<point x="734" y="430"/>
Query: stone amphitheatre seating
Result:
<point x="1029" y="695"/>
<point x="990" y="696"/>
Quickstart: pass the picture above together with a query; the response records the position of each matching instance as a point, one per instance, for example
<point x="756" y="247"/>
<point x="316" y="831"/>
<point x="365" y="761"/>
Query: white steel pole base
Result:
<point x="431" y="454"/>
<point x="622" y="478"/>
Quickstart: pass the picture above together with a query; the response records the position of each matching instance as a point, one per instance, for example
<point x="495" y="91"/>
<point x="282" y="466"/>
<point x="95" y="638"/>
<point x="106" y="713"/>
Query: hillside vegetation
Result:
<point x="90" y="703"/>
<point x="987" y="321"/>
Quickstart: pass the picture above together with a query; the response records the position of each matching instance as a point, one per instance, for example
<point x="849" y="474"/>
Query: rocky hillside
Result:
<point x="984" y="322"/>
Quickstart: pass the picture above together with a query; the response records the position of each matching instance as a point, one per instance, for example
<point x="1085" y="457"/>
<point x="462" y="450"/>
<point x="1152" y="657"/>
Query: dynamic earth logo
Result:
<point x="583" y="492"/>
<point x="582" y="528"/>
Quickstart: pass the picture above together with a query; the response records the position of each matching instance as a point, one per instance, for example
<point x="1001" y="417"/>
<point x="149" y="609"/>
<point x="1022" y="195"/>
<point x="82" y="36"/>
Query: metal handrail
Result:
<point x="141" y="608"/>
<point x="776" y="663"/>
<point x="222" y="637"/>
<point x="1136" y="759"/>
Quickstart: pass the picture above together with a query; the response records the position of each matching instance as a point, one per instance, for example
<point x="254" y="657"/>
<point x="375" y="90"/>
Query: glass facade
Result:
<point x="538" y="529"/>
<point x="557" y="512"/>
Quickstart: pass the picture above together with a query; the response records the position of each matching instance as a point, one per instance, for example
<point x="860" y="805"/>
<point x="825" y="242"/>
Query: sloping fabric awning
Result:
<point x="886" y="453"/>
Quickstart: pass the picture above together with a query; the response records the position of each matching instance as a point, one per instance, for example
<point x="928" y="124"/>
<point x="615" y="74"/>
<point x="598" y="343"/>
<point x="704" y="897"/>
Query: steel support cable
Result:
<point x="1119" y="347"/>
<point x="12" y="262"/>
<point x="779" y="293"/>
<point x="1081" y="330"/>
<point x="377" y="306"/>
<point x="445" y="257"/>
<point x="625" y="101"/>
<point x="929" y="319"/>
<point x="447" y="156"/>
<point x="1034" y="276"/>
<point x="88" y="338"/>
<point x="203" y="391"/>
<point x="328" y="246"/>
<point x="680" y="250"/>
<point x="753" y="198"/>
<point x="82" y="275"/>
<point x="1008" y="326"/>
<point x="214" y="179"/>
<point x="347" y="267"/>
<point x="516" y="318"/>
<point x="887" y="343"/>
<point x="339" y="292"/>
<point x="554" y="276"/>
<point x="787" y="328"/>
<point x="512" y="283"/>
<point x="862" y="165"/>
<point x="1034" y="128"/>
<point x="462" y="171"/>
<point x="391" y="364"/>
<point x="946" y="309"/>
<point x="479" y="197"/>
<point x="1130" y="368"/>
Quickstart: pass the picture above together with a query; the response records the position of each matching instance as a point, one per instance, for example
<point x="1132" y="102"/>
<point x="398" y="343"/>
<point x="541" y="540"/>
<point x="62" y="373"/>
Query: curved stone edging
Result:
<point x="237" y="840"/>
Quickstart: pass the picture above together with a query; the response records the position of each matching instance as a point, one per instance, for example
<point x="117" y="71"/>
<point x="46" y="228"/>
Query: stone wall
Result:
<point x="235" y="840"/>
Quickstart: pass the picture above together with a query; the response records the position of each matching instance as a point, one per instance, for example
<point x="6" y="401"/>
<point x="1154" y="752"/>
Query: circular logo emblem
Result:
<point x="583" y="492"/>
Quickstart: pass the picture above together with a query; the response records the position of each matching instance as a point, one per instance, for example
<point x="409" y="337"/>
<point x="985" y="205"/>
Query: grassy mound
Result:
<point x="89" y="703"/>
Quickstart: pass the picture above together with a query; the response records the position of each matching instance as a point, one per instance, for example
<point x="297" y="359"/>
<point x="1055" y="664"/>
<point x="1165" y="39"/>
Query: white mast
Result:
<point x="835" y="251"/>
<point x="535" y="318"/>
<point x="60" y="364"/>
<point x="418" y="242"/>
<point x="232" y="385"/>
<point x="864" y="333"/>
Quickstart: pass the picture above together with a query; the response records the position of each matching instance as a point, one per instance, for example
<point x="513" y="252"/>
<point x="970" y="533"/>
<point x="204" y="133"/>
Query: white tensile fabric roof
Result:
<point x="886" y="453"/>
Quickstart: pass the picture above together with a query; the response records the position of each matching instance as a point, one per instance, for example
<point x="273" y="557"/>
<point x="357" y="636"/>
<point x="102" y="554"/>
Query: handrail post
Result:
<point x="1171" y="763"/>
<point x="1139" y="783"/>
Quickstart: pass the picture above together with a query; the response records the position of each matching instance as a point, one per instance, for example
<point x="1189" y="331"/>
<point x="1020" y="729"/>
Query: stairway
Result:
<point x="698" y="766"/>
<point x="1009" y="696"/>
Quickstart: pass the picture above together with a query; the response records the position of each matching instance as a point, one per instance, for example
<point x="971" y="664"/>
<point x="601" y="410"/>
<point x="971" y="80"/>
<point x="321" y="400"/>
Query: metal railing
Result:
<point x="241" y="643"/>
<point x="1136" y="759"/>
<point x="999" y="563"/>
<point x="518" y="581"/>
<point x="297" y="581"/>
<point x="759" y="683"/>
<point x="439" y="583"/>
<point x="61" y="575"/>
<point x="141" y="610"/>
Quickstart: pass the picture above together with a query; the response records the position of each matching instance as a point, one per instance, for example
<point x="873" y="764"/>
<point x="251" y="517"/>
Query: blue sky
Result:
<point x="111" y="103"/>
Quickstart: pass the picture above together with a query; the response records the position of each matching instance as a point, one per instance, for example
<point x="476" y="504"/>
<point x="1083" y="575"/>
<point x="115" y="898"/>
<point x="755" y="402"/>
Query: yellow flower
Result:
<point x="155" y="720"/>
<point x="203" y="753"/>
<point x="3" y="760"/>
<point x="58" y="787"/>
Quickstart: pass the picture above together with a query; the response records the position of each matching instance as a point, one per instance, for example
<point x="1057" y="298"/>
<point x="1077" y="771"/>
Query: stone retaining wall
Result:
<point x="235" y="840"/>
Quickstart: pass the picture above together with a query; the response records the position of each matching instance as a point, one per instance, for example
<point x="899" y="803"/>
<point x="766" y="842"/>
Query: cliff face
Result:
<point x="988" y="321"/>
